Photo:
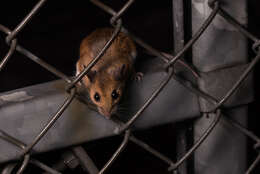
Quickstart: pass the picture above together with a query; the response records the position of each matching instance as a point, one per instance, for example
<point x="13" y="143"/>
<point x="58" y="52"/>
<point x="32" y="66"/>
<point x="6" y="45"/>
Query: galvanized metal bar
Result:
<point x="199" y="141"/>
<point x="241" y="79"/>
<point x="191" y="87"/>
<point x="196" y="36"/>
<point x="178" y="43"/>
<point x="212" y="53"/>
<point x="147" y="103"/>
<point x="42" y="100"/>
<point x="84" y="159"/>
<point x="178" y="25"/>
<point x="44" y="166"/>
<point x="67" y="160"/>
<point x="57" y="115"/>
<point x="236" y="24"/>
<point x="181" y="147"/>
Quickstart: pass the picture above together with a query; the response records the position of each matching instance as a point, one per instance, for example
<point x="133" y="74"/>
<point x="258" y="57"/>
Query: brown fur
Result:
<point x="115" y="63"/>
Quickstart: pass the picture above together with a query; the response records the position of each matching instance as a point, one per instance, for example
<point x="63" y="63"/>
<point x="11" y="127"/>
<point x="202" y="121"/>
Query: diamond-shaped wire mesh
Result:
<point x="124" y="128"/>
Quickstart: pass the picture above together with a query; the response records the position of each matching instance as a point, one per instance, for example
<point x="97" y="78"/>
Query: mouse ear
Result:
<point x="91" y="74"/>
<point x="119" y="73"/>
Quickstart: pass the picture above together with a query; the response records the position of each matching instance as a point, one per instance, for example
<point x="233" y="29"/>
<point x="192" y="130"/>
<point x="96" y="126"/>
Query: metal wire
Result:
<point x="24" y="164"/>
<point x="11" y="50"/>
<point x="96" y="59"/>
<point x="154" y="152"/>
<point x="196" y="36"/>
<point x="149" y="48"/>
<point x="42" y="63"/>
<point x="169" y="61"/>
<point x="21" y="145"/>
<point x="253" y="165"/>
<point x="239" y="81"/>
<point x="118" y="151"/>
<point x="25" y="21"/>
<point x="8" y="169"/>
<point x="43" y="166"/>
<point x="198" y="142"/>
<point x="51" y="122"/>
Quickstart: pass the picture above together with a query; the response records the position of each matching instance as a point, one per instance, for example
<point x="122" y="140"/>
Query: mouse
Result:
<point x="107" y="79"/>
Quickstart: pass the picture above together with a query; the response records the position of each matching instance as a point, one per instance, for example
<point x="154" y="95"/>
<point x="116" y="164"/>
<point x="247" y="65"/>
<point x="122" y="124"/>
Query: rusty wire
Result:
<point x="169" y="60"/>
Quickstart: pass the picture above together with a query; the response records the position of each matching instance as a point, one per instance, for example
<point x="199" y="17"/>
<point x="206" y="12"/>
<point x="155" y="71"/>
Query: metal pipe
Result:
<point x="208" y="57"/>
<point x="178" y="43"/>
<point x="196" y="36"/>
<point x="199" y="141"/>
<point x="84" y="159"/>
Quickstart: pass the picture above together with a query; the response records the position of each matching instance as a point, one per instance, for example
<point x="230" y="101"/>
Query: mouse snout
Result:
<point x="107" y="112"/>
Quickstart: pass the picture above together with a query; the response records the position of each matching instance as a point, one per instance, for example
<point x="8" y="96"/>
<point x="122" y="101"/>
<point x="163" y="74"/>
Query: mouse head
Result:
<point x="106" y="89"/>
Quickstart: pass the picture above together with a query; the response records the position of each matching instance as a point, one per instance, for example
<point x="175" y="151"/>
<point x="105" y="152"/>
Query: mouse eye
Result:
<point x="97" y="97"/>
<point x="114" y="94"/>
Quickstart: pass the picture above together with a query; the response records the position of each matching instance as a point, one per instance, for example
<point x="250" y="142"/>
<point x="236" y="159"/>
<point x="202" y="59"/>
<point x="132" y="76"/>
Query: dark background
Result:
<point x="55" y="34"/>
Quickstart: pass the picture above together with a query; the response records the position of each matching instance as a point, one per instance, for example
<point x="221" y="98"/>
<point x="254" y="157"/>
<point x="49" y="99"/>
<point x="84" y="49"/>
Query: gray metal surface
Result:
<point x="218" y="82"/>
<point x="178" y="44"/>
<point x="25" y="111"/>
<point x="224" y="150"/>
<point x="221" y="46"/>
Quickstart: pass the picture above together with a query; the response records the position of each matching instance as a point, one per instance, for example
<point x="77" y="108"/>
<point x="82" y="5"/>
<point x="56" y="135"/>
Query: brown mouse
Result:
<point x="107" y="79"/>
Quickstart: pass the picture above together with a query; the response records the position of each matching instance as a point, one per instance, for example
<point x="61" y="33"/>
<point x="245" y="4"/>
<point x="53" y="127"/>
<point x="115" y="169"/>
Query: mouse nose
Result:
<point x="105" y="112"/>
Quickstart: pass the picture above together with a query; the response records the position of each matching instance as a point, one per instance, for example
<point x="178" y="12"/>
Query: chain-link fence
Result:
<point x="218" y="111"/>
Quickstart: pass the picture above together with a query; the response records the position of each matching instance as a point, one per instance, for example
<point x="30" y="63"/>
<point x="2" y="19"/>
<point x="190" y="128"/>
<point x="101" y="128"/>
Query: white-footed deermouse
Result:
<point x="106" y="80"/>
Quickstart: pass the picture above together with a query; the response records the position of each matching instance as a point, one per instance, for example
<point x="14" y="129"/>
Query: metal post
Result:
<point x="178" y="38"/>
<point x="220" y="47"/>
